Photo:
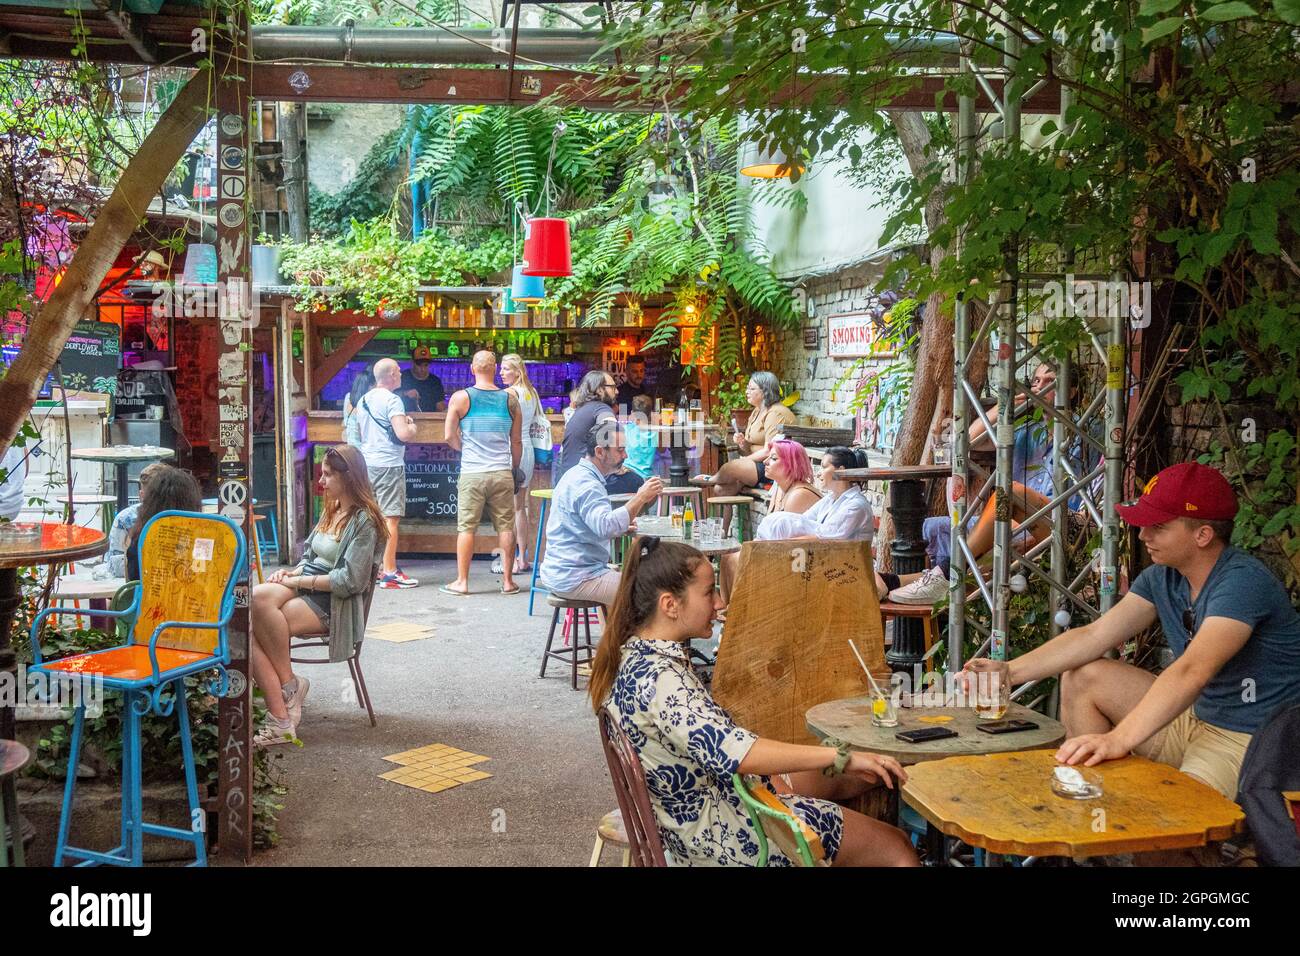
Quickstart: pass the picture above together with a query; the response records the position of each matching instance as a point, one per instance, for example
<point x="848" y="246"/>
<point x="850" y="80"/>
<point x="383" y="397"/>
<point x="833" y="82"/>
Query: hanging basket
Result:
<point x="546" y="248"/>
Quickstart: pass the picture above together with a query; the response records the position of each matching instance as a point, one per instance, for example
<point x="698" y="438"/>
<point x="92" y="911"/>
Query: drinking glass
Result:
<point x="992" y="695"/>
<point x="882" y="711"/>
<point x="677" y="517"/>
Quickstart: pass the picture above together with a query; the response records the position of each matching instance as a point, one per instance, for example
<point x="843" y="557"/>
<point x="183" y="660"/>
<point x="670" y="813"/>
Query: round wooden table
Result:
<point x="1003" y="803"/>
<point x="50" y="543"/>
<point x="122" y="456"/>
<point x="850" y="720"/>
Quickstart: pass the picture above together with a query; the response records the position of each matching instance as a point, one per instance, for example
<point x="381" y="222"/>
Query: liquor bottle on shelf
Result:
<point x="546" y="347"/>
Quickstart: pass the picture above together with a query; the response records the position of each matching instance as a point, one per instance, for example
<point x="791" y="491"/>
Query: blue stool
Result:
<point x="269" y="545"/>
<point x="143" y="668"/>
<point x="534" y="589"/>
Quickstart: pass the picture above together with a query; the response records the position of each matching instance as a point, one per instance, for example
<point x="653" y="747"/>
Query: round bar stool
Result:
<point x="611" y="830"/>
<point x="544" y="496"/>
<point x="681" y="491"/>
<point x="724" y="505"/>
<point x="571" y="653"/>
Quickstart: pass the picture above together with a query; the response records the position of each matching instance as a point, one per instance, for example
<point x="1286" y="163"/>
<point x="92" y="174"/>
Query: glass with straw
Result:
<point x="882" y="708"/>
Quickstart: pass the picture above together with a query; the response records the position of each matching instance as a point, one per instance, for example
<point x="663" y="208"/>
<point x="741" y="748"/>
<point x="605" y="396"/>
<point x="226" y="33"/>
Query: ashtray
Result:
<point x="1075" y="783"/>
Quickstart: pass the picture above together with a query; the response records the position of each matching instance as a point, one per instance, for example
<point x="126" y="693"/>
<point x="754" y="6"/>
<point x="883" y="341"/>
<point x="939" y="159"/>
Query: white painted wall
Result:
<point x="839" y="226"/>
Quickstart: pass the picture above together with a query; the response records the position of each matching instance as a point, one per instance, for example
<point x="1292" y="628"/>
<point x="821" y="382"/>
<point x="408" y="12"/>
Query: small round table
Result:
<point x="49" y="543"/>
<point x="123" y="456"/>
<point x="850" y="720"/>
<point x="680" y="436"/>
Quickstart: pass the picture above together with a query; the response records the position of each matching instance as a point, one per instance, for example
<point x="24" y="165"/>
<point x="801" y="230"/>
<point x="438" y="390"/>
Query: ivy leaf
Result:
<point x="1161" y="28"/>
<point x="1223" y="12"/>
<point x="1288" y="10"/>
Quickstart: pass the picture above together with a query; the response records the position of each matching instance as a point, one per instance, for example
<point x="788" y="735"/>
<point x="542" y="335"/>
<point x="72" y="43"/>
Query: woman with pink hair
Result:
<point x="790" y="469"/>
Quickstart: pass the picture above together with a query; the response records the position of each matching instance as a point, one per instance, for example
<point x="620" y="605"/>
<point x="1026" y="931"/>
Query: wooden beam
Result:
<point x="130" y="28"/>
<point x="341" y="356"/>
<point x="339" y="83"/>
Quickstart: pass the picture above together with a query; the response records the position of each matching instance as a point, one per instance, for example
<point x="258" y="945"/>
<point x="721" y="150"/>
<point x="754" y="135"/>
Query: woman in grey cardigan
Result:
<point x="324" y="594"/>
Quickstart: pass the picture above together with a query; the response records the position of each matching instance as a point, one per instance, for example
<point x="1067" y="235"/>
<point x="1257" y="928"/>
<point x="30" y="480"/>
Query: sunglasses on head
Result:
<point x="336" y="461"/>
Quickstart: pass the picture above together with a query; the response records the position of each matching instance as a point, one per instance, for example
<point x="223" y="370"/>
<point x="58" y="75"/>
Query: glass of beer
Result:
<point x="677" y="517"/>
<point x="992" y="694"/>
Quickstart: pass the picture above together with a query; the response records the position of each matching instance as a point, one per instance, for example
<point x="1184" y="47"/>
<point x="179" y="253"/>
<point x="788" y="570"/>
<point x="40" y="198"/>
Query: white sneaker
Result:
<point x="294" y="701"/>
<point x="930" y="588"/>
<point x="274" y="732"/>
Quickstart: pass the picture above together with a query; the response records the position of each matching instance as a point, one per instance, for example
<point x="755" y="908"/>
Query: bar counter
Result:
<point x="430" y="535"/>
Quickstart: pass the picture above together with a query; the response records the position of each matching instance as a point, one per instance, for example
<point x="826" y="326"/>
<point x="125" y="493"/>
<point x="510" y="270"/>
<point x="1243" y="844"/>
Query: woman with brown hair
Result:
<point x="688" y="745"/>
<point x="324" y="594"/>
<point x="166" y="489"/>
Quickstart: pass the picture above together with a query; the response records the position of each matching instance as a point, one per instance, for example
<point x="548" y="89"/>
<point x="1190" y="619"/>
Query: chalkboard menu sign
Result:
<point x="431" y="473"/>
<point x="91" y="357"/>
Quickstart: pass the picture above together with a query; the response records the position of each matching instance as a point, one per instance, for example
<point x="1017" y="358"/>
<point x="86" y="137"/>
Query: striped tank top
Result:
<point x="485" y="432"/>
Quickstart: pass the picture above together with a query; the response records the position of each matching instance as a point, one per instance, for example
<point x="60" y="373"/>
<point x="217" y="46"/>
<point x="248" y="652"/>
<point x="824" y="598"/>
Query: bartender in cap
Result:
<point x="421" y="390"/>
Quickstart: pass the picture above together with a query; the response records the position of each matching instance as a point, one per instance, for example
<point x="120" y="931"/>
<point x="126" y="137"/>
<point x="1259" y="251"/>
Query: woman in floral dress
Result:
<point x="689" y="746"/>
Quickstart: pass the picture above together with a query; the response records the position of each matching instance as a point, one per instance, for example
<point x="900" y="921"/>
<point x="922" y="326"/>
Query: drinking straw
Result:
<point x="874" y="686"/>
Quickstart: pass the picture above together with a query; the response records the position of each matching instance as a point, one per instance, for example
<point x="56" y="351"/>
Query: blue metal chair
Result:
<point x="534" y="586"/>
<point x="177" y="619"/>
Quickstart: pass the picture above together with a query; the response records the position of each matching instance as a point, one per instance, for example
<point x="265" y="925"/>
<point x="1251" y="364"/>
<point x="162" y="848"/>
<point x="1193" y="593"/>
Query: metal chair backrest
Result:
<point x="773" y="820"/>
<point x="633" y="798"/>
<point x="189" y="563"/>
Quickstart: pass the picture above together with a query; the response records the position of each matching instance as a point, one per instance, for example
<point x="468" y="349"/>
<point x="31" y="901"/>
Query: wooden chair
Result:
<point x="734" y="511"/>
<point x="190" y="562"/>
<point x="298" y="643"/>
<point x="644" y="843"/>
<point x="683" y="492"/>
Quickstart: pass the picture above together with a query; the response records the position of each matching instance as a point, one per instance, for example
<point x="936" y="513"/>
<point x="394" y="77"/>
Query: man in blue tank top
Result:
<point x="483" y="424"/>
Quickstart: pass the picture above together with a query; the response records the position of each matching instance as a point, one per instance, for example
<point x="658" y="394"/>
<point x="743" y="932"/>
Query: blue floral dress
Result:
<point x="689" y="748"/>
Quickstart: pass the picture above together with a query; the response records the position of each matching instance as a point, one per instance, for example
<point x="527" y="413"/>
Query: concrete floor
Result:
<point x="472" y="685"/>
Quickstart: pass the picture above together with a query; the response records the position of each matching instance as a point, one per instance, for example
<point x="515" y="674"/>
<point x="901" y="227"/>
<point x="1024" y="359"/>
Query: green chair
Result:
<point x="772" y="819"/>
<point x="123" y="600"/>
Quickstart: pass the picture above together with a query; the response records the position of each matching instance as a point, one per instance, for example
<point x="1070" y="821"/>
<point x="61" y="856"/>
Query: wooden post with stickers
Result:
<point x="233" y="443"/>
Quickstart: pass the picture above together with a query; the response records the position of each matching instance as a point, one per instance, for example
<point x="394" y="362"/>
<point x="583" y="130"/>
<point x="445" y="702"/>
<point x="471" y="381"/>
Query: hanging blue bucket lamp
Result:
<point x="509" y="305"/>
<point x="527" y="290"/>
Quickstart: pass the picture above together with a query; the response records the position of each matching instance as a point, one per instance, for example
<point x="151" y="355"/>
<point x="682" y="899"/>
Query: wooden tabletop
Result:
<point x="1004" y="803"/>
<point x="57" y="543"/>
<point x="850" y="720"/>
<point x="901" y="473"/>
<point x="124" y="453"/>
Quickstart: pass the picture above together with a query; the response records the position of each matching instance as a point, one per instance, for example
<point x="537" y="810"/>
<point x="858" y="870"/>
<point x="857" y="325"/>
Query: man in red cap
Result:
<point x="1234" y="634"/>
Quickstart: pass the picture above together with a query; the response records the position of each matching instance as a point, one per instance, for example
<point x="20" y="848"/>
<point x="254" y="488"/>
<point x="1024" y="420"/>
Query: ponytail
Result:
<point x="651" y="568"/>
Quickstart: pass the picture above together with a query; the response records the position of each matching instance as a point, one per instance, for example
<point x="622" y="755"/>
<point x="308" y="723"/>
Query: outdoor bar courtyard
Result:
<point x="637" y="435"/>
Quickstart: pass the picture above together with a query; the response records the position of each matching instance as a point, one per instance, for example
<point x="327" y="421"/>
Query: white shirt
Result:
<point x="11" y="491"/>
<point x="378" y="450"/>
<point x="846" y="517"/>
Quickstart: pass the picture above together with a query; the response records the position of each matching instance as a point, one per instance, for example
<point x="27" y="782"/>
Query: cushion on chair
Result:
<point x="611" y="828"/>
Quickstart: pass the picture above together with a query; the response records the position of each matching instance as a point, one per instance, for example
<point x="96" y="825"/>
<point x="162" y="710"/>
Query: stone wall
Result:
<point x="337" y="145"/>
<point x="826" y="395"/>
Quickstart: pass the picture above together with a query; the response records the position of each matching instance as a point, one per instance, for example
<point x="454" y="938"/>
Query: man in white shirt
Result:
<point x="385" y="430"/>
<point x="13" y="471"/>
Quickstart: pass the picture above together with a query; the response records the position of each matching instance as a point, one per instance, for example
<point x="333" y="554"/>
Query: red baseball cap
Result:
<point x="1189" y="490"/>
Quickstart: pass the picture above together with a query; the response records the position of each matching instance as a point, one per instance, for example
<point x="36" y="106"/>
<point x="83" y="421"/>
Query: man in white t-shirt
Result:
<point x="385" y="430"/>
<point x="13" y="470"/>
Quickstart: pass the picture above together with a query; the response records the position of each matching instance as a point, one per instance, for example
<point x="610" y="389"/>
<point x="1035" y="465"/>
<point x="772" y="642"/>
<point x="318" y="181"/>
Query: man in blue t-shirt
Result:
<point x="1229" y="622"/>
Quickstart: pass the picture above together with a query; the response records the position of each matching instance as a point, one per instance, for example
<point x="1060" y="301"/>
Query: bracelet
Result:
<point x="843" y="751"/>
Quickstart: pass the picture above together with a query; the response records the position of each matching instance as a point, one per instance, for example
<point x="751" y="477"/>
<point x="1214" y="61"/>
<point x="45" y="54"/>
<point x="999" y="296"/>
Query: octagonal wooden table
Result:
<point x="1003" y="803"/>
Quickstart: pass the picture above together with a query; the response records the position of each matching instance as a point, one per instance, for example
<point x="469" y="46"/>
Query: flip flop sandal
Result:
<point x="447" y="589"/>
<point x="515" y="591"/>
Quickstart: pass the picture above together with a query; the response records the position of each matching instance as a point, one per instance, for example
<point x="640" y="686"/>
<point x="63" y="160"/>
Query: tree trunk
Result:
<point x="114" y="225"/>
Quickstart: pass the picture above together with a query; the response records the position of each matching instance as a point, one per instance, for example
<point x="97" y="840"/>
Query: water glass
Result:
<point x="882" y="711"/>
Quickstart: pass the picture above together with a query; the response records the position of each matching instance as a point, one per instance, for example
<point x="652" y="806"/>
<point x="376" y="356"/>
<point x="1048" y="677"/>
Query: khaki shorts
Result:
<point x="493" y="489"/>
<point x="1210" y="754"/>
<point x="389" y="485"/>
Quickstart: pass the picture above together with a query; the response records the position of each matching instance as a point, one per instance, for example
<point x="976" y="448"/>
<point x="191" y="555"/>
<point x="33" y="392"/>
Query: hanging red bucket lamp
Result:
<point x="546" y="248"/>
